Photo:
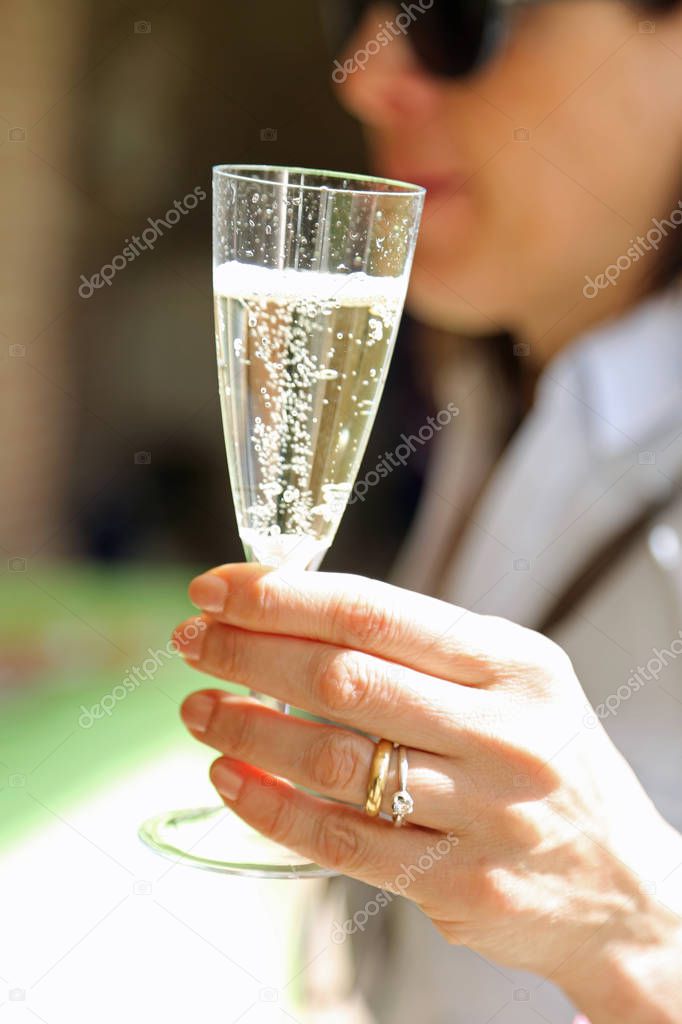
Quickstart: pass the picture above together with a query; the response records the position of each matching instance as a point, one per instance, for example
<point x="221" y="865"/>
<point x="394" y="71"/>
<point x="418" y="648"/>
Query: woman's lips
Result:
<point x="438" y="186"/>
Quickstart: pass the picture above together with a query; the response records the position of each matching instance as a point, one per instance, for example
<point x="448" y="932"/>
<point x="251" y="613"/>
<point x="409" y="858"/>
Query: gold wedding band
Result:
<point x="378" y="773"/>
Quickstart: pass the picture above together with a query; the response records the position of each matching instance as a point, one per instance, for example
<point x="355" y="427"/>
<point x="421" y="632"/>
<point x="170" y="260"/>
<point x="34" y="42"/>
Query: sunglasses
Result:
<point x="452" y="38"/>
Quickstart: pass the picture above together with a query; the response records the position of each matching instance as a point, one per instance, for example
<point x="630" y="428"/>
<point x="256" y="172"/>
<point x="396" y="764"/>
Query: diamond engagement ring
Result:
<point x="402" y="804"/>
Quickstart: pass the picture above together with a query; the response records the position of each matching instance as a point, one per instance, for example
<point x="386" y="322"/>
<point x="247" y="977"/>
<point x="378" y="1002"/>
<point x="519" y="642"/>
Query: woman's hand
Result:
<point x="538" y="846"/>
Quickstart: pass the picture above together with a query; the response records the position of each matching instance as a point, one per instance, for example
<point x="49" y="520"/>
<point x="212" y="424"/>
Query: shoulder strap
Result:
<point x="605" y="559"/>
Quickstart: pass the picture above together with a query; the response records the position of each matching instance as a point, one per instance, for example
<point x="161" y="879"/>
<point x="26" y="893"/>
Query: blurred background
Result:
<point x="114" y="487"/>
<point x="109" y="118"/>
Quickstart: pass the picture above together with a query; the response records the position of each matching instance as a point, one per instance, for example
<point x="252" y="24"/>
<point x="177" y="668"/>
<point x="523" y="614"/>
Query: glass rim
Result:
<point x="403" y="189"/>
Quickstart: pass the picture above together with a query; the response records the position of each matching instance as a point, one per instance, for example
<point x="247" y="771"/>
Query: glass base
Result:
<point x="200" y="837"/>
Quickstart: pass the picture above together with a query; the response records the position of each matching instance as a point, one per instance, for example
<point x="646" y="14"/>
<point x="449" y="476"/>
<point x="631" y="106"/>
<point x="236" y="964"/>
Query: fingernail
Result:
<point x="208" y="592"/>
<point x="197" y="711"/>
<point x="226" y="780"/>
<point x="189" y="638"/>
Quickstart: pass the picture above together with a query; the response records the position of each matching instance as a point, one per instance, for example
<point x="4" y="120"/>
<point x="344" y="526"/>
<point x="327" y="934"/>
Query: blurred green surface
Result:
<point x="68" y="637"/>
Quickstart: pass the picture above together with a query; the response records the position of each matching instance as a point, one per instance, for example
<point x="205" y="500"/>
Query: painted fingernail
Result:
<point x="226" y="780"/>
<point x="189" y="638"/>
<point x="197" y="711"/>
<point x="208" y="592"/>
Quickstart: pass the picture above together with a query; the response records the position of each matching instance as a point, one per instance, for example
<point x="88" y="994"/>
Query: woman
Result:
<point x="552" y="159"/>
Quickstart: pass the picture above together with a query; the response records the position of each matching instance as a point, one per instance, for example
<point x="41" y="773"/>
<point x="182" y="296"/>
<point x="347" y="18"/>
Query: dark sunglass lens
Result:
<point x="451" y="35"/>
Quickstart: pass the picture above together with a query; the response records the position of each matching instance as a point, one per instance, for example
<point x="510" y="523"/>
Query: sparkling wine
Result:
<point x="302" y="360"/>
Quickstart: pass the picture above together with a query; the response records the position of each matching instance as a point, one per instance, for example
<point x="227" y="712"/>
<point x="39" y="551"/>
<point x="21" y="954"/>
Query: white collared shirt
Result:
<point x="602" y="441"/>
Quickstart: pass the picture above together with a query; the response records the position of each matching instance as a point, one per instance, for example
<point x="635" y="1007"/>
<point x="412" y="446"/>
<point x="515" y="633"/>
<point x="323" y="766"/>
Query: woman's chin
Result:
<point x="448" y="305"/>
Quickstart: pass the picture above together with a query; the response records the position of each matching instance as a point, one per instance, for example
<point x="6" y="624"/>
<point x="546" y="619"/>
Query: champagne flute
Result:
<point x="310" y="271"/>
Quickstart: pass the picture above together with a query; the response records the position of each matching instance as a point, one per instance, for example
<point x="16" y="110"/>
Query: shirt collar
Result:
<point x="626" y="375"/>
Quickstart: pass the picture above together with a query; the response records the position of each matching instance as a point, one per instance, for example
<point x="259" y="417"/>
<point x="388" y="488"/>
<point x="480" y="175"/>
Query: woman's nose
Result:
<point x="382" y="82"/>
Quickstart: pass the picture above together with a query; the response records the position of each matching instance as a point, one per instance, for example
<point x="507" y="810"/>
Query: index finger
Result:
<point x="351" y="611"/>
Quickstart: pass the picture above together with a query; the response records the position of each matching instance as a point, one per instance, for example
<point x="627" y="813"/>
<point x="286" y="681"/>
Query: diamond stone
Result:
<point x="403" y="804"/>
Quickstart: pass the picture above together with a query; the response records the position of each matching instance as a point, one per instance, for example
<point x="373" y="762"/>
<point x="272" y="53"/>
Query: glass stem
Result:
<point x="270" y="702"/>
